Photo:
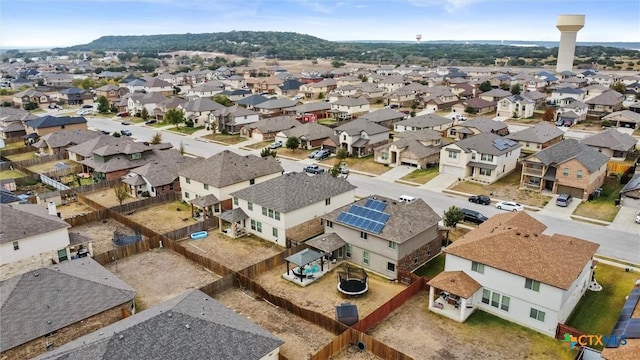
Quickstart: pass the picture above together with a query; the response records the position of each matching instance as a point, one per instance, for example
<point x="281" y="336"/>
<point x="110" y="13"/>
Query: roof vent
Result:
<point x="170" y="315"/>
<point x="188" y="326"/>
<point x="120" y="336"/>
<point x="35" y="274"/>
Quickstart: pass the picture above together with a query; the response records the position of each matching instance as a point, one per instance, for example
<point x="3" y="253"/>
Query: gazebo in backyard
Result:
<point x="309" y="267"/>
<point x="451" y="294"/>
<point x="236" y="218"/>
<point x="207" y="204"/>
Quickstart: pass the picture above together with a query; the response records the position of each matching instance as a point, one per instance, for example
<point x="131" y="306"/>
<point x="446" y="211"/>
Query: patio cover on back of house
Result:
<point x="327" y="243"/>
<point x="458" y="285"/>
<point x="233" y="216"/>
<point x="204" y="202"/>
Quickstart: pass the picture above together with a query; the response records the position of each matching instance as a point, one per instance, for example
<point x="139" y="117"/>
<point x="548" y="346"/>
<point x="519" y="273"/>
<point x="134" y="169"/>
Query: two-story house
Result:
<point x="232" y="119"/>
<point x="75" y="96"/>
<point x="563" y="93"/>
<point x="537" y="137"/>
<point x="354" y="107"/>
<point x="420" y="148"/>
<point x="515" y="106"/>
<point x="605" y="103"/>
<point x="313" y="90"/>
<point x="611" y="142"/>
<point x="157" y="85"/>
<point x="22" y="98"/>
<point x="385" y="235"/>
<point x="476" y="126"/>
<point x="426" y="121"/>
<point x="485" y="158"/>
<point x="264" y="85"/>
<point x="385" y="117"/>
<point x="47" y="124"/>
<point x="216" y="177"/>
<point x="289" y="206"/>
<point x="12" y="122"/>
<point x="509" y="268"/>
<point x="137" y="101"/>
<point x="111" y="92"/>
<point x="158" y="177"/>
<point x="359" y="137"/>
<point x="199" y="109"/>
<point x="567" y="167"/>
<point x="274" y="107"/>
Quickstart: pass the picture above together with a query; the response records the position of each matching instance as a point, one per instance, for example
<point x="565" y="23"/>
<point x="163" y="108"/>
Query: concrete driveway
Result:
<point x="551" y="209"/>
<point x="625" y="220"/>
<point x="440" y="182"/>
<point x="396" y="173"/>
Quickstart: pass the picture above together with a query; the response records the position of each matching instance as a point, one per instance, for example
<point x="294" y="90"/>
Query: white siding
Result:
<point x="34" y="245"/>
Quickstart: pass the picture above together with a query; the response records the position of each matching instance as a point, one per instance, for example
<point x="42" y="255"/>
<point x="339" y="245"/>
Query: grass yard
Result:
<point x="185" y="130"/>
<point x="226" y="138"/>
<point x="603" y="207"/>
<point x="506" y="188"/>
<point x="432" y="268"/>
<point x="327" y="121"/>
<point x="421" y="176"/>
<point x="297" y="153"/>
<point x="49" y="166"/>
<point x="364" y="164"/>
<point x="11" y="174"/>
<point x="259" y="146"/>
<point x="597" y="312"/>
<point x="15" y="145"/>
<point x="159" y="124"/>
<point x="23" y="156"/>
<point x="135" y="120"/>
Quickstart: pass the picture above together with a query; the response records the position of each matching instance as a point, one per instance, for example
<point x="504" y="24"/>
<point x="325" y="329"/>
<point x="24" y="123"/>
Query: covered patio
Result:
<point x="232" y="223"/>
<point x="208" y="205"/>
<point x="331" y="245"/>
<point x="451" y="295"/>
<point x="310" y="266"/>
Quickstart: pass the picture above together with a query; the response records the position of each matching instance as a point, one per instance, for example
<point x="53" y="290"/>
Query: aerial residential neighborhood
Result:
<point x="172" y="203"/>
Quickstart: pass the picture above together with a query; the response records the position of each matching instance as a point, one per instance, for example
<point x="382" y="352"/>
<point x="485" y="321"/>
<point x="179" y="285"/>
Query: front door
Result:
<point x="62" y="255"/>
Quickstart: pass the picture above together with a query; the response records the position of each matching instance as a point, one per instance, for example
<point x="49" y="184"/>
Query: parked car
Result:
<point x="126" y="123"/>
<point x="313" y="153"/>
<point x="564" y="200"/>
<point x="480" y="199"/>
<point x="313" y="169"/>
<point x="125" y="132"/>
<point x="275" y="145"/>
<point x="84" y="112"/>
<point x="473" y="216"/>
<point x="105" y="132"/>
<point x="123" y="114"/>
<point x="151" y="121"/>
<point x="509" y="206"/>
<point x="638" y="218"/>
<point x="322" y="154"/>
<point x="55" y="106"/>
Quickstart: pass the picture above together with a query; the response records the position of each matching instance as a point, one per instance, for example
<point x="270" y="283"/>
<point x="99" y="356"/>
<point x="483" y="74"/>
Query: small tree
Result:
<point x="156" y="139"/>
<point x="292" y="143"/>
<point x="114" y="109"/>
<point x="335" y="170"/>
<point x="122" y="192"/>
<point x="485" y="86"/>
<point x="144" y="114"/>
<point x="103" y="105"/>
<point x="182" y="149"/>
<point x="116" y="134"/>
<point x="223" y="100"/>
<point x="618" y="86"/>
<point x="470" y="110"/>
<point x="516" y="89"/>
<point x="342" y="154"/>
<point x="453" y="216"/>
<point x="548" y="115"/>
<point x="266" y="152"/>
<point x="174" y="117"/>
<point x="320" y="95"/>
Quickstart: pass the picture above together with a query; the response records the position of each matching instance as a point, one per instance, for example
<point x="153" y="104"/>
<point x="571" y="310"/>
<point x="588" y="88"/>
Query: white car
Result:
<point x="638" y="218"/>
<point x="509" y="206"/>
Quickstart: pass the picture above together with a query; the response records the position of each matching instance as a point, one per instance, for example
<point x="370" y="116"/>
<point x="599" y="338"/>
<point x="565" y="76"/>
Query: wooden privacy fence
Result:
<point x="197" y="259"/>
<point x="219" y="286"/>
<point x="30" y="179"/>
<point x="42" y="159"/>
<point x="124" y="252"/>
<point x="385" y="309"/>
<point x="147" y="202"/>
<point x="618" y="167"/>
<point x="64" y="172"/>
<point x="22" y="150"/>
<point x="562" y="329"/>
<point x="206" y="225"/>
<point x="352" y="337"/>
<point x="97" y="186"/>
<point x="271" y="263"/>
<point x="78" y="220"/>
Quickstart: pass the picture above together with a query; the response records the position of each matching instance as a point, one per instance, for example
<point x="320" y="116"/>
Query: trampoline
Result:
<point x="123" y="238"/>
<point x="353" y="282"/>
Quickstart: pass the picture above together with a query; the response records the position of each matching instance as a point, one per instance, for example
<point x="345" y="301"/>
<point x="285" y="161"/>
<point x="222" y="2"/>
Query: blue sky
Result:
<point x="49" y="23"/>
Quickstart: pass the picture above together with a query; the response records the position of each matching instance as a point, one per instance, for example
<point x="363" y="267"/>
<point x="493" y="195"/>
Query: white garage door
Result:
<point x="451" y="170"/>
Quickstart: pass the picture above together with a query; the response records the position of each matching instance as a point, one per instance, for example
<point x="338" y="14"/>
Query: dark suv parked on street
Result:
<point x="473" y="216"/>
<point x="480" y="199"/>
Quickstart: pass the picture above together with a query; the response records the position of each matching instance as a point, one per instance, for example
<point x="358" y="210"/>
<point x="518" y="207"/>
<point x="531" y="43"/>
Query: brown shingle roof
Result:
<point x="514" y="243"/>
<point x="455" y="282"/>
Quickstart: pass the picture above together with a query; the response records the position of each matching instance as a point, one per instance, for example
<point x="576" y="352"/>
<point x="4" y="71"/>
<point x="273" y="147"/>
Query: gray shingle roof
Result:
<point x="569" y="149"/>
<point x="356" y="126"/>
<point x="611" y="139"/>
<point x="539" y="133"/>
<point x="44" y="300"/>
<point x="274" y="124"/>
<point x="294" y="191"/>
<point x="69" y="137"/>
<point x="426" y="121"/>
<point x="311" y="107"/>
<point x="624" y="115"/>
<point x="310" y="131"/>
<point x="351" y="101"/>
<point x="383" y="115"/>
<point x="484" y="125"/>
<point x="55" y="121"/>
<point x="201" y="104"/>
<point x="406" y="220"/>
<point x="483" y="143"/>
<point x="252" y="100"/>
<point x="610" y="97"/>
<point x="227" y="168"/>
<point x="276" y="104"/>
<point x="25" y="220"/>
<point x="164" y="171"/>
<point x="190" y="326"/>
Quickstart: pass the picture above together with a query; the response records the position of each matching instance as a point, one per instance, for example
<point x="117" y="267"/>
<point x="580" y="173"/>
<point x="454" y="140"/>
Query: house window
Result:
<point x="187" y="180"/>
<point x="495" y="300"/>
<point x="365" y="257"/>
<point x="477" y="267"/>
<point x="206" y="186"/>
<point x="16" y="246"/>
<point x="532" y="284"/>
<point x="393" y="245"/>
<point x="327" y="201"/>
<point x="504" y="305"/>
<point x="329" y="223"/>
<point x="453" y="155"/>
<point x="136" y="156"/>
<point x="186" y="195"/>
<point x="384" y="155"/>
<point x="258" y="226"/>
<point x="235" y="200"/>
<point x="363" y="235"/>
<point x="270" y="213"/>
<point x="391" y="267"/>
<point x="274" y="232"/>
<point x="473" y="156"/>
<point x="486" y="294"/>
<point x="277" y="215"/>
<point x="252" y="181"/>
<point x="536" y="314"/>
<point x="486" y="157"/>
<point x="264" y="211"/>
<point x="579" y="174"/>
<point x="485" y="172"/>
<point x="253" y="224"/>
<point x="347" y="251"/>
<point x="565" y="171"/>
<point x="249" y="205"/>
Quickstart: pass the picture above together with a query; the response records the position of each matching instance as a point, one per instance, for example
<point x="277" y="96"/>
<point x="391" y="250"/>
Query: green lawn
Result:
<point x="10" y="174"/>
<point x="421" y="176"/>
<point x="159" y="124"/>
<point x="23" y="156"/>
<point x="186" y="130"/>
<point x="597" y="312"/>
<point x="432" y="268"/>
<point x="327" y="121"/>
<point x="226" y="138"/>
<point x="603" y="207"/>
<point x="15" y="145"/>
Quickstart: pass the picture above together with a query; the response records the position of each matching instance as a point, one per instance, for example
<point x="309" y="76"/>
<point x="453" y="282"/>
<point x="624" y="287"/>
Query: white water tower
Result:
<point x="569" y="25"/>
<point x="418" y="38"/>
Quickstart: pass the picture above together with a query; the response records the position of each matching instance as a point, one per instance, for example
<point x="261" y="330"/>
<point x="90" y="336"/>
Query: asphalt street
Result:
<point x="613" y="243"/>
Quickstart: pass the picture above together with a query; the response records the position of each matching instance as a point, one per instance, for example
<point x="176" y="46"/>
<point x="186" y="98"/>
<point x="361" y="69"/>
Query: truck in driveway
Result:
<point x="313" y="169"/>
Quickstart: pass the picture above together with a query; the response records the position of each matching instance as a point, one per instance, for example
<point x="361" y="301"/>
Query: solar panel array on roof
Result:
<point x="626" y="326"/>
<point x="503" y="143"/>
<point x="369" y="217"/>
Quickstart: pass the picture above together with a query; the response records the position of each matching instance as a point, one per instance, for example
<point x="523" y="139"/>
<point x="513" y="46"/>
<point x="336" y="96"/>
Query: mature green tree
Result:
<point x="114" y="109"/>
<point x="618" y="86"/>
<point x="174" y="117"/>
<point x="103" y="105"/>
<point x="223" y="100"/>
<point x="342" y="154"/>
<point x="337" y="63"/>
<point x="335" y="170"/>
<point x="144" y="114"/>
<point x="453" y="216"/>
<point x="292" y="143"/>
<point x="516" y="89"/>
<point x="485" y="86"/>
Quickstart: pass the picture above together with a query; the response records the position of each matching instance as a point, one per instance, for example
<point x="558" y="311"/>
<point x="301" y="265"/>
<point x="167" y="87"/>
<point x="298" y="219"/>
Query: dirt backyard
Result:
<point x="73" y="208"/>
<point x="164" y="218"/>
<point x="322" y="295"/>
<point x="352" y="353"/>
<point x="100" y="233"/>
<point x="421" y="334"/>
<point x="159" y="275"/>
<point x="107" y="198"/>
<point x="301" y="338"/>
<point x="235" y="254"/>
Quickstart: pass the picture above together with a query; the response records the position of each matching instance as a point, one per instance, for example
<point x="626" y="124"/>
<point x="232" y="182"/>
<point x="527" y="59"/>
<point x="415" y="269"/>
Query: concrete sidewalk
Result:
<point x="396" y="173"/>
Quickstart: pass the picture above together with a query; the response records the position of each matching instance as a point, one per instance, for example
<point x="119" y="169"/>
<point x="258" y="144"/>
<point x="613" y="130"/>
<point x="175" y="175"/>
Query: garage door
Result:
<point x="575" y="192"/>
<point x="451" y="170"/>
<point x="409" y="163"/>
